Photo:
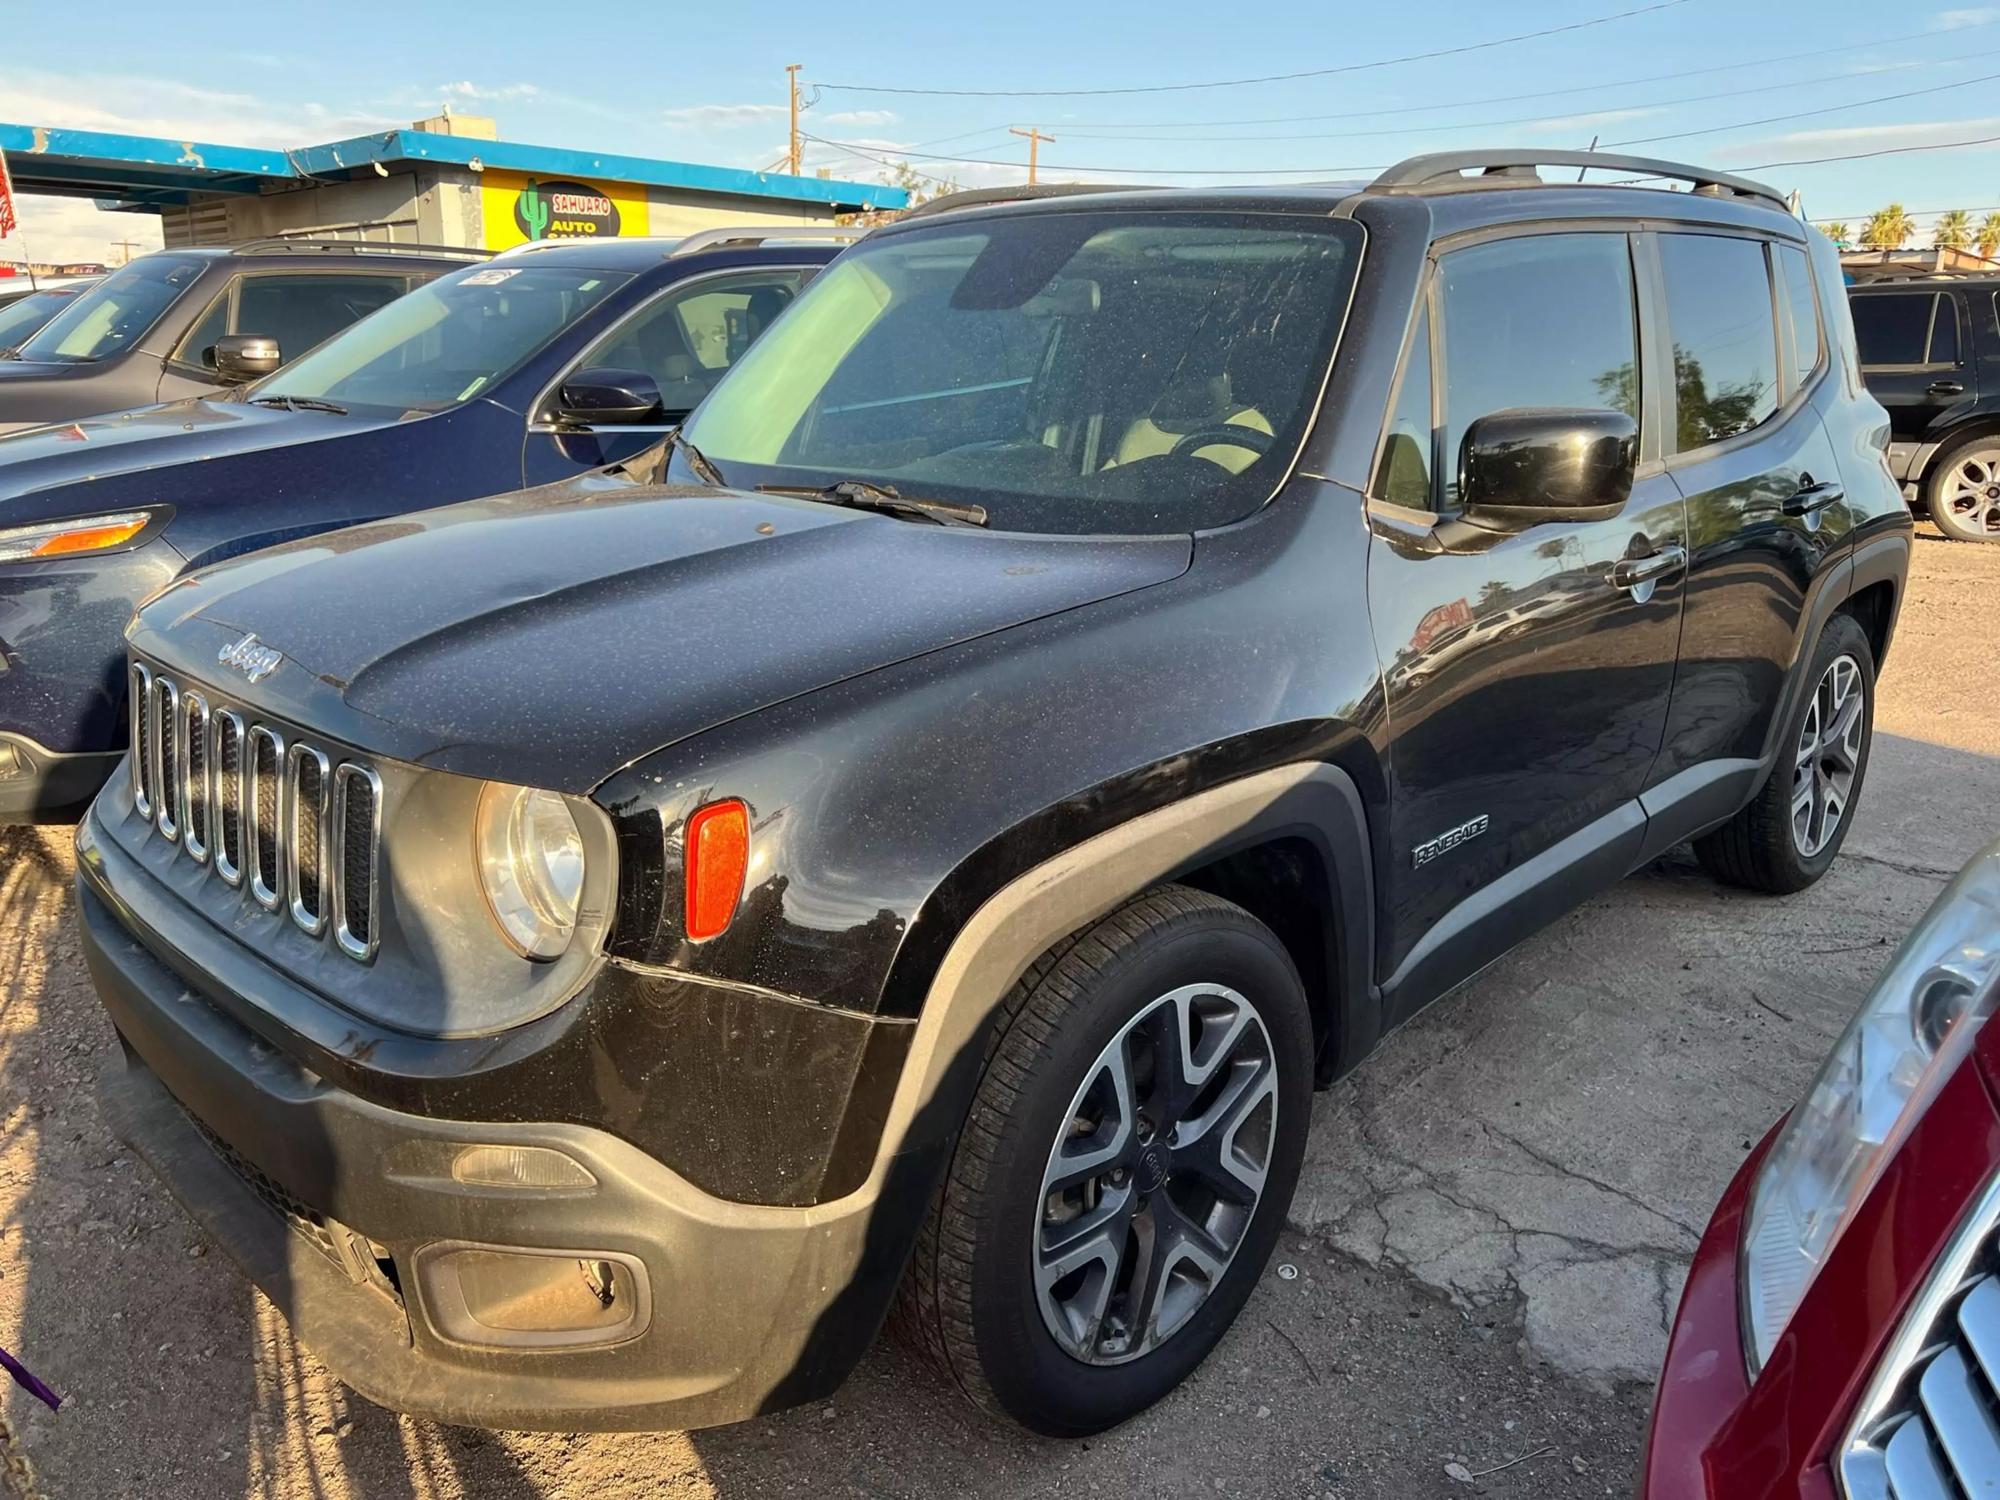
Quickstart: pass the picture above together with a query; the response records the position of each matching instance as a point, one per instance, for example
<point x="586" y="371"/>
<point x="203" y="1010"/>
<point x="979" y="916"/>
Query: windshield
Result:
<point x="447" y="341"/>
<point x="1071" y="372"/>
<point x="116" y="313"/>
<point x="24" y="315"/>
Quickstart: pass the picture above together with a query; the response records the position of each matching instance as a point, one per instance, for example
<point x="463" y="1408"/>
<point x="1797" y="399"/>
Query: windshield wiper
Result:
<point x="859" y="494"/>
<point x="299" y="403"/>
<point x="704" y="470"/>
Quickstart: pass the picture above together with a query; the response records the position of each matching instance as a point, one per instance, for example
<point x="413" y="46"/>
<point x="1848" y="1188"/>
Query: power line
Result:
<point x="1433" y="106"/>
<point x="1230" y="83"/>
<point x="1543" y="116"/>
<point x="1805" y="114"/>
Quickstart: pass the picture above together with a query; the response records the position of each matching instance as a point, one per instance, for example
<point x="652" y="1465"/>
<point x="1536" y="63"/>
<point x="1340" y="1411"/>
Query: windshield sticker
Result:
<point x="491" y="277"/>
<point x="469" y="391"/>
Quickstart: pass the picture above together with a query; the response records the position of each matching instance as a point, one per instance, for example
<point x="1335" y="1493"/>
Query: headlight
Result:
<point x="1912" y="1031"/>
<point x="67" y="538"/>
<point x="530" y="866"/>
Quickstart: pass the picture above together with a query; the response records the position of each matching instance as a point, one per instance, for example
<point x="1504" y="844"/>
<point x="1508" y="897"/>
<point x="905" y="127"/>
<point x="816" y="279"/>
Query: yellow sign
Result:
<point x="518" y="208"/>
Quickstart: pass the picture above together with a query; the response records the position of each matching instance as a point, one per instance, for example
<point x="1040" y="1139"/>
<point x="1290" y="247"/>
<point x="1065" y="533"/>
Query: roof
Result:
<point x="636" y="252"/>
<point x="144" y="172"/>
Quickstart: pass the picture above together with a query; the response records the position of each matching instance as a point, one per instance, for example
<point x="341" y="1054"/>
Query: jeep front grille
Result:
<point x="234" y="795"/>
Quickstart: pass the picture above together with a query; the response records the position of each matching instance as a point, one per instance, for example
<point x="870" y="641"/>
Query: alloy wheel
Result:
<point x="1155" y="1174"/>
<point x="1828" y="756"/>
<point x="1972" y="492"/>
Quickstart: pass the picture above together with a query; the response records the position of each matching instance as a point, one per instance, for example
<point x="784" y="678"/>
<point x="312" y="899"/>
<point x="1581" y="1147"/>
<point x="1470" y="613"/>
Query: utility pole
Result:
<point x="1035" y="139"/>
<point x="792" y="157"/>
<point x="128" y="246"/>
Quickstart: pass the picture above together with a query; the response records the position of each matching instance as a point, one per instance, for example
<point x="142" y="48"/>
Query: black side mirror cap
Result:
<point x="1533" y="464"/>
<point x="605" y="397"/>
<point x="237" y="357"/>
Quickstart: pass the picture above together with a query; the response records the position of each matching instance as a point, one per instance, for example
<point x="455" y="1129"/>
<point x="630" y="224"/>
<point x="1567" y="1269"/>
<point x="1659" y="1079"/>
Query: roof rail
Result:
<point x="758" y="234"/>
<point x="1516" y="168"/>
<point x="977" y="197"/>
<point x="278" y="244"/>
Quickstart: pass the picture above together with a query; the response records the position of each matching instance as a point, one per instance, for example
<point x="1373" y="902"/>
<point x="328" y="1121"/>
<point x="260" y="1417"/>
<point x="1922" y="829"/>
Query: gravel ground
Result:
<point x="1486" y="1247"/>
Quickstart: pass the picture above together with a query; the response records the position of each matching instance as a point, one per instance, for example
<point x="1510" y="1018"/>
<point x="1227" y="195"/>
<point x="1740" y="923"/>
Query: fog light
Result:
<point x="518" y="1167"/>
<point x="532" y="1299"/>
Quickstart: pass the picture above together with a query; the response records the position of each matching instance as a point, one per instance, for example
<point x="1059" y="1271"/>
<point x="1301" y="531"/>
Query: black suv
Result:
<point x="183" y="322"/>
<point x="1930" y="352"/>
<point x="1085" y="675"/>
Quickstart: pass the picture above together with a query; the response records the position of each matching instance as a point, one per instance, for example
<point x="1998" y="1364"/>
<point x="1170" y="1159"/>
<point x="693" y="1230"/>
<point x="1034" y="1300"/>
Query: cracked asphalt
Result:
<point x="1483" y="1259"/>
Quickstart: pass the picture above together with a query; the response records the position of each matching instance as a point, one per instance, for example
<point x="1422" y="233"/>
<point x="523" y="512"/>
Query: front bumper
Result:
<point x="38" y="784"/>
<point x="330" y="1203"/>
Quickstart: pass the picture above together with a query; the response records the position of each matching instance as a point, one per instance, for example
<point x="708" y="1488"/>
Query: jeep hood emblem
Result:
<point x="252" y="660"/>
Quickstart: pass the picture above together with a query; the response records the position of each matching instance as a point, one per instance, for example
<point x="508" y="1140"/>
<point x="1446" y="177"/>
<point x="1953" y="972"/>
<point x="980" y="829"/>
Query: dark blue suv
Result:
<point x="553" y="359"/>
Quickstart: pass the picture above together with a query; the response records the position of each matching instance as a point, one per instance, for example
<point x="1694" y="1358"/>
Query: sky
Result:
<point x="1131" y="91"/>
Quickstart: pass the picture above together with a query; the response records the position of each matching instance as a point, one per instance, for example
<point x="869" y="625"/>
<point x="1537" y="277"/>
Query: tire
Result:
<point x="1962" y="490"/>
<point x="1791" y="831"/>
<point x="989" y="1287"/>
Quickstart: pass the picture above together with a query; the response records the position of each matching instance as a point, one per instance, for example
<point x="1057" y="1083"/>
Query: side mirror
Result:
<point x="605" y="397"/>
<point x="238" y="357"/>
<point x="1532" y="464"/>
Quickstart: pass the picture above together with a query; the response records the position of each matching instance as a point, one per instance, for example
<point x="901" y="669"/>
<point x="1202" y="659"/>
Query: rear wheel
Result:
<point x="1788" y="835"/>
<point x="1963" y="491"/>
<point x="1125" y="1167"/>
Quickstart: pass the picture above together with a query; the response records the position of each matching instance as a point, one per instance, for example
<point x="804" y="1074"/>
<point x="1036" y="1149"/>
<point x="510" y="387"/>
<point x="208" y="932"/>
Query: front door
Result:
<point x="1528" y="672"/>
<point x="684" y="338"/>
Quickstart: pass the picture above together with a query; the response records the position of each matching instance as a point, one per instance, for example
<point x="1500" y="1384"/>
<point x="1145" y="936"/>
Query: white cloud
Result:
<point x="467" y="92"/>
<point x="861" y="117"/>
<point x="1840" y="140"/>
<point x="147" y="106"/>
<point x="1958" y="20"/>
<point x="72" y="229"/>
<point x="722" y="116"/>
<point x="1584" y="122"/>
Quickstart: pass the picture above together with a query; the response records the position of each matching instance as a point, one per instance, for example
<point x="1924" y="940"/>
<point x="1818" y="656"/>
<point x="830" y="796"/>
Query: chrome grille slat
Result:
<point x="1979" y="1327"/>
<point x="139" y="708"/>
<point x="306" y="777"/>
<point x="1913" y="1467"/>
<point x="1961" y="1418"/>
<point x="162" y="729"/>
<point x="227" y="757"/>
<point x="191" y="775"/>
<point x="303" y="827"/>
<point x="263" y="850"/>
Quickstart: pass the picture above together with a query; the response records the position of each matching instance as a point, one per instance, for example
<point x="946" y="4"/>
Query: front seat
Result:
<point x="1188" y="406"/>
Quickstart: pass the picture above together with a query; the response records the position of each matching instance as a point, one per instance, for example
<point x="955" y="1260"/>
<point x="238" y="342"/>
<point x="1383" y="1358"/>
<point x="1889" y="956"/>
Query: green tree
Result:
<point x="1953" y="231"/>
<point x="1836" y="231"/>
<point x="1989" y="235"/>
<point x="1888" y="228"/>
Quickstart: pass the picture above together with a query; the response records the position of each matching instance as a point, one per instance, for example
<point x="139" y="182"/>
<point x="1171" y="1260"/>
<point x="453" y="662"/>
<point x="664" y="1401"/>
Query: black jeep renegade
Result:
<point x="1090" y="671"/>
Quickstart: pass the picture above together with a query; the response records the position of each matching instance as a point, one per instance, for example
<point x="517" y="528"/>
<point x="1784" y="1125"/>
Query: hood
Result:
<point x="36" y="460"/>
<point x="551" y="636"/>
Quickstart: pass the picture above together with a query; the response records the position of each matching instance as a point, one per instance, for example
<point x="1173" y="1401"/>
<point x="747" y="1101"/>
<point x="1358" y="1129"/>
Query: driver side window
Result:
<point x="686" y="338"/>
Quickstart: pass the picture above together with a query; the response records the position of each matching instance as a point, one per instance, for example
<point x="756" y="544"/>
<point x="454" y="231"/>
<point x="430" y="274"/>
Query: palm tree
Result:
<point x="1953" y="231"/>
<point x="1887" y="228"/>
<point x="1989" y="235"/>
<point x="1837" y="232"/>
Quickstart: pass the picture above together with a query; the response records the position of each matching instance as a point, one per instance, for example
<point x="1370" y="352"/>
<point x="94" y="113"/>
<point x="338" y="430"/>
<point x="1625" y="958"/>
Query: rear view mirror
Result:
<point x="603" y="397"/>
<point x="1547" y="464"/>
<point x="238" y="357"/>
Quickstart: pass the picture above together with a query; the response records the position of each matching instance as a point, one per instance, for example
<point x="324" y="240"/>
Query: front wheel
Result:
<point x="1125" y="1167"/>
<point x="1963" y="492"/>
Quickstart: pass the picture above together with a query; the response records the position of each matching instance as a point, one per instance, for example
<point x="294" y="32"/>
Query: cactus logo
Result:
<point x="564" y="209"/>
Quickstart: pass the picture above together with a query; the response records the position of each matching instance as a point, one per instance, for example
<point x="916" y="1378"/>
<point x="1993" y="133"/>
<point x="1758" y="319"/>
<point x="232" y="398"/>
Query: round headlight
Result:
<point x="530" y="866"/>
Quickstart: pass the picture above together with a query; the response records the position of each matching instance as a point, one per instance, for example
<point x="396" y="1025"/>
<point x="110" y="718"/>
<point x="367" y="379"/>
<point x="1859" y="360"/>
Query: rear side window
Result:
<point x="1802" y="315"/>
<point x="1544" y="320"/>
<point x="1905" y="328"/>
<point x="303" y="311"/>
<point x="1725" y="336"/>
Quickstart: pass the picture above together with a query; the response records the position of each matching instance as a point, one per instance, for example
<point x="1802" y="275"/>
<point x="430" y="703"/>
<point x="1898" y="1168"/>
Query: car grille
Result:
<point x="1929" y="1427"/>
<point x="300" y="829"/>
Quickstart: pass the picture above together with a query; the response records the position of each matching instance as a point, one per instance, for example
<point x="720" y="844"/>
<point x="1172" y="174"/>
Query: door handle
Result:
<point x="1947" y="388"/>
<point x="1630" y="572"/>
<point x="1814" y="497"/>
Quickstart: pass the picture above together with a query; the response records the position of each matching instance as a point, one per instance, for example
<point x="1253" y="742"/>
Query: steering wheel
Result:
<point x="1225" y="435"/>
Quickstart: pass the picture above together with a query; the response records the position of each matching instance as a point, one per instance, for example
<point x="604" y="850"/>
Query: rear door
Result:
<point x="685" y="337"/>
<point x="1916" y="360"/>
<point x="1766" y="512"/>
